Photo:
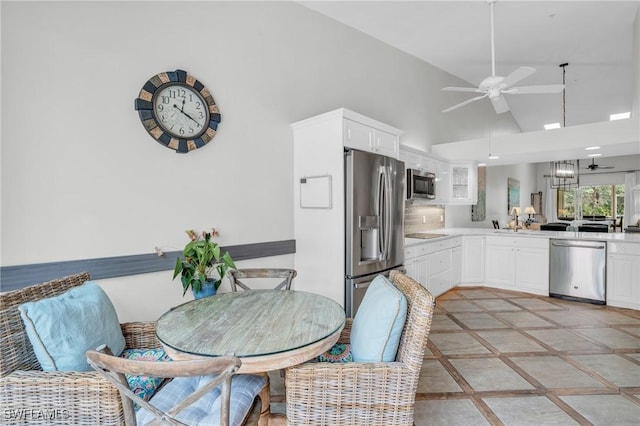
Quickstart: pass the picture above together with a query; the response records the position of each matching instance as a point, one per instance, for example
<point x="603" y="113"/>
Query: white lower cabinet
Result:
<point x="623" y="270"/>
<point x="432" y="264"/>
<point x="456" y="265"/>
<point x="515" y="263"/>
<point x="473" y="253"/>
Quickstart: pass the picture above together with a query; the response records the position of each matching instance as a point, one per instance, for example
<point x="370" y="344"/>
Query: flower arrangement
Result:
<point x="201" y="260"/>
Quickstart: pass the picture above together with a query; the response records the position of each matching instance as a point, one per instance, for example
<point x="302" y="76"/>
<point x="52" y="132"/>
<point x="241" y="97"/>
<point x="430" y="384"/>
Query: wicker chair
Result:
<point x="354" y="393"/>
<point x="30" y="395"/>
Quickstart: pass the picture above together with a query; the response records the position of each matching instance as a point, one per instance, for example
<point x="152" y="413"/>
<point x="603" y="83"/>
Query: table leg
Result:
<point x="278" y="420"/>
<point x="265" y="398"/>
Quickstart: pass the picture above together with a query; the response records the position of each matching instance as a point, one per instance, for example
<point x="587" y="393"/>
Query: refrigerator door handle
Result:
<point x="381" y="213"/>
<point x="387" y="215"/>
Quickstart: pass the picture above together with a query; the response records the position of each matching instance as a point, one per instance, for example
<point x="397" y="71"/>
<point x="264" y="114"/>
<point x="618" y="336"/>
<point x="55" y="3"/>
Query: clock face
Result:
<point x="180" y="111"/>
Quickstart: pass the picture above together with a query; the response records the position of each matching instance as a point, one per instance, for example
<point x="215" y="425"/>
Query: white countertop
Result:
<point x="567" y="235"/>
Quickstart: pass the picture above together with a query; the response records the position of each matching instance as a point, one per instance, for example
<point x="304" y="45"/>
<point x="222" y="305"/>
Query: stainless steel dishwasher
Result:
<point x="577" y="270"/>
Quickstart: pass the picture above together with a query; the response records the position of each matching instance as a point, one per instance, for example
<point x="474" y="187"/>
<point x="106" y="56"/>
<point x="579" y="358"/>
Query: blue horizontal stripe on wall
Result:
<point x="15" y="277"/>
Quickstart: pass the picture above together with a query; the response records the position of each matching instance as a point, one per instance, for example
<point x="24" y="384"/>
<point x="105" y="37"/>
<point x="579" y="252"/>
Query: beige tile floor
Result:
<point x="507" y="358"/>
<point x="498" y="357"/>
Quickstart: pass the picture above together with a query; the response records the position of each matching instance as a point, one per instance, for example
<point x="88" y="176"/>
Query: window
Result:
<point x="591" y="202"/>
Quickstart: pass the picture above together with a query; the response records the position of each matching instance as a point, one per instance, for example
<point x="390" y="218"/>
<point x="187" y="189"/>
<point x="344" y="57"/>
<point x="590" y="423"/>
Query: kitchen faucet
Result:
<point x="515" y="212"/>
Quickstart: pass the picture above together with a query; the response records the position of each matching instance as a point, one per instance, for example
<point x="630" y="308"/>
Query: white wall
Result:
<point x="82" y="179"/>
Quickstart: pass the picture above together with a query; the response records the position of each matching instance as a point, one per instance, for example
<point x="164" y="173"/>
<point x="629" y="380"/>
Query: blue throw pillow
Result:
<point x="340" y="352"/>
<point x="377" y="326"/>
<point x="62" y="328"/>
<point x="144" y="386"/>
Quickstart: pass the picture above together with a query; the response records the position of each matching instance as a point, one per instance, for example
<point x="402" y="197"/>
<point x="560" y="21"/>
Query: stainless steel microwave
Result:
<point x="420" y="185"/>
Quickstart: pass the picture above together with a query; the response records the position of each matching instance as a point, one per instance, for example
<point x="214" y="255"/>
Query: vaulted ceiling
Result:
<point x="594" y="37"/>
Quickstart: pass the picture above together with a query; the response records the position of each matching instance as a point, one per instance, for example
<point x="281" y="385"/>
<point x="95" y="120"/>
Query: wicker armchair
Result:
<point x="381" y="393"/>
<point x="31" y="396"/>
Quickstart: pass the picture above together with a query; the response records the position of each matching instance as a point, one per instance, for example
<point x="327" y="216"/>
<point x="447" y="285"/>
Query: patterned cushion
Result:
<point x="377" y="326"/>
<point x="206" y="410"/>
<point x="340" y="352"/>
<point x="144" y="386"/>
<point x="62" y="328"/>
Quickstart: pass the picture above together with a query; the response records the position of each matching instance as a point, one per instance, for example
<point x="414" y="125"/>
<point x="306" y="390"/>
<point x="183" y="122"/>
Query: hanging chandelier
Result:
<point x="565" y="174"/>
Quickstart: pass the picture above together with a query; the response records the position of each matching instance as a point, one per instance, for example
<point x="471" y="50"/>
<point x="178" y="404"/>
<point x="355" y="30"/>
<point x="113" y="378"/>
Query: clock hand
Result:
<point x="187" y="115"/>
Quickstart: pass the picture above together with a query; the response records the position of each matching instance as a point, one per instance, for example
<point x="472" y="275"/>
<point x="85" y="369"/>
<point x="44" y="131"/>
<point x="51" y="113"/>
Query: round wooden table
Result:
<point x="267" y="329"/>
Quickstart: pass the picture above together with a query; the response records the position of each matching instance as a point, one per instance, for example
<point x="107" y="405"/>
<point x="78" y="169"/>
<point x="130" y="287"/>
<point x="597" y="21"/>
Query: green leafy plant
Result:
<point x="202" y="262"/>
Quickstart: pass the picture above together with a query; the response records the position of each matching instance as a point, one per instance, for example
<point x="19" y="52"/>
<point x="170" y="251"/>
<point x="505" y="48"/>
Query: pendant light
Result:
<point x="565" y="174"/>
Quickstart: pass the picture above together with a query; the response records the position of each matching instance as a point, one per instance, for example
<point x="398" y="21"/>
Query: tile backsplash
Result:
<point x="416" y="214"/>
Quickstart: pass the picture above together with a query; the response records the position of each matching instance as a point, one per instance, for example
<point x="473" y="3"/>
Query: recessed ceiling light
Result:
<point x="620" y="116"/>
<point x="594" y="155"/>
<point x="552" y="126"/>
<point x="591" y="148"/>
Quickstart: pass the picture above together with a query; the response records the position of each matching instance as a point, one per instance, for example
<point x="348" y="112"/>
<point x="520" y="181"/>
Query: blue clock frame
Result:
<point x="144" y="105"/>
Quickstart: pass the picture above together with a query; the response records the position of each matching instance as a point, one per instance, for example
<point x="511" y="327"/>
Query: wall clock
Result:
<point x="178" y="111"/>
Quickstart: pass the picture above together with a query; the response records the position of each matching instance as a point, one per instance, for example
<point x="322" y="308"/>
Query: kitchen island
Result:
<point x="517" y="261"/>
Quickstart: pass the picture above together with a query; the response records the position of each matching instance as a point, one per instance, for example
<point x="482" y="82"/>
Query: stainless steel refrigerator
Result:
<point x="374" y="236"/>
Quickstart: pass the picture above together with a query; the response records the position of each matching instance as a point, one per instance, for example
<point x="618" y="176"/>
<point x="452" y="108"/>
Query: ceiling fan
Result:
<point x="494" y="87"/>
<point x="593" y="166"/>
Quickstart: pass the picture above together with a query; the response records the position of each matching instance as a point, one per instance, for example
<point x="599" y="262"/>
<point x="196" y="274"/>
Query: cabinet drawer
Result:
<point x="411" y="252"/>
<point x="455" y="241"/>
<point x="435" y="246"/>
<point x="439" y="283"/>
<point x="517" y="242"/>
<point x="624" y="248"/>
<point x="439" y="262"/>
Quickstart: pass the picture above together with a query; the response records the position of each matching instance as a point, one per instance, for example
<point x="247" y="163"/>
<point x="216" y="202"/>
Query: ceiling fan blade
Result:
<point x="528" y="90"/>
<point x="519" y="74"/>
<point x="468" y="101"/>
<point x="463" y="89"/>
<point x="606" y="167"/>
<point x="500" y="104"/>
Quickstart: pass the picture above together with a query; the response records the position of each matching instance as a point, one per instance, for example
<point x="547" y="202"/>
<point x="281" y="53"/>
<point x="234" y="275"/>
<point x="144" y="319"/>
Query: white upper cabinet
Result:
<point x="456" y="183"/>
<point x="443" y="182"/>
<point x="463" y="183"/>
<point x="368" y="137"/>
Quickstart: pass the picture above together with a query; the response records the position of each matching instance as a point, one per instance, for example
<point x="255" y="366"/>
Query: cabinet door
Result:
<point x="411" y="160"/>
<point x="358" y="136"/>
<point x="443" y="192"/>
<point x="499" y="265"/>
<point x="622" y="281"/>
<point x="385" y="143"/>
<point x="473" y="263"/>
<point x="412" y="269"/>
<point x="532" y="270"/>
<point x="456" y="266"/>
<point x="459" y="183"/>
<point x="422" y="269"/>
<point x="464" y="183"/>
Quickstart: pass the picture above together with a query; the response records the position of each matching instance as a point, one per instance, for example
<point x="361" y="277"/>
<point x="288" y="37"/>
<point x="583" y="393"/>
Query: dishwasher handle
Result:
<point x="573" y="244"/>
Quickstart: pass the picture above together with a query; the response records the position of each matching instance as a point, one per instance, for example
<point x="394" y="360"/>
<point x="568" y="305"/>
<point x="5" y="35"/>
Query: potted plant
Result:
<point x="203" y="267"/>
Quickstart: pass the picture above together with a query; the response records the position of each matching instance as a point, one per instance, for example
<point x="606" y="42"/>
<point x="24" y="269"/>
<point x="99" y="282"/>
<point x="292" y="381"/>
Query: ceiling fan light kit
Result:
<point x="495" y="87"/>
